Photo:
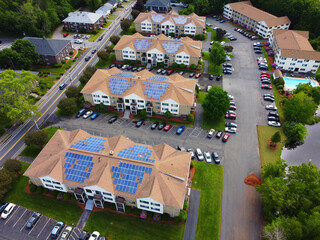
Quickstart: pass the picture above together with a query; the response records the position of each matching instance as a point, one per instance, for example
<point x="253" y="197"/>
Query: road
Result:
<point x="14" y="143"/>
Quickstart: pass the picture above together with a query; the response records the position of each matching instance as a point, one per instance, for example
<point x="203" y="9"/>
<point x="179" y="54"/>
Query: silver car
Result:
<point x="87" y="114"/>
<point x="230" y="130"/>
<point x="274" y="124"/>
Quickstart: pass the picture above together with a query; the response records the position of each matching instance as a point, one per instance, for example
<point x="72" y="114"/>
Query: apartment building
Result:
<point x="261" y="22"/>
<point x="83" y="20"/>
<point x="114" y="170"/>
<point x="141" y="90"/>
<point x="155" y="23"/>
<point x="293" y="52"/>
<point x="156" y="49"/>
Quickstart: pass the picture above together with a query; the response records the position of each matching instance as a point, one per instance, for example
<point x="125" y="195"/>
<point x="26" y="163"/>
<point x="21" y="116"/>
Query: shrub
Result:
<point x="200" y="37"/>
<point x="192" y="164"/>
<point x="38" y="138"/>
<point x="165" y="217"/>
<point x="149" y="214"/>
<point x="317" y="76"/>
<point x="193" y="66"/>
<point x="13" y="165"/>
<point x="276" y="137"/>
<point x="182" y="216"/>
<point x="45" y="190"/>
<point x="171" y="35"/>
<point x="71" y="52"/>
<point x="58" y="77"/>
<point x="94" y="31"/>
<point x="279" y="86"/>
<point x="143" y="112"/>
<point x="185" y="205"/>
<point x="175" y="65"/>
<point x="2" y="131"/>
<point x="176" y="220"/>
<point x="40" y="190"/>
<point x="66" y="195"/>
<point x="55" y="193"/>
<point x="58" y="65"/>
<point x="190" y="118"/>
<point x="168" y="114"/>
<point x="32" y="187"/>
<point x="182" y="65"/>
<point x="63" y="61"/>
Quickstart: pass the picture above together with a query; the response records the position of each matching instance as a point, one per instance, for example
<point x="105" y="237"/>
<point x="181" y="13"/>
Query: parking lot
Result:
<point x="14" y="227"/>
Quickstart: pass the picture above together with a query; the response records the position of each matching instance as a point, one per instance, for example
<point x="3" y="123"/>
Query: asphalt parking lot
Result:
<point x="14" y="227"/>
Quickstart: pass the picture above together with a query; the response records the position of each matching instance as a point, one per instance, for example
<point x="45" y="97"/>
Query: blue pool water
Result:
<point x="292" y="83"/>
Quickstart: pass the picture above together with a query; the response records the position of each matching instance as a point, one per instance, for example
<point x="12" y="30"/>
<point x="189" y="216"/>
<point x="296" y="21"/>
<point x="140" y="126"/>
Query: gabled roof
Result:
<point x="157" y="3"/>
<point x="82" y="17"/>
<point x="295" y="44"/>
<point x="180" y="89"/>
<point x="175" y="18"/>
<point x="258" y="15"/>
<point x="165" y="183"/>
<point x="48" y="47"/>
<point x="113" y="2"/>
<point x="105" y="8"/>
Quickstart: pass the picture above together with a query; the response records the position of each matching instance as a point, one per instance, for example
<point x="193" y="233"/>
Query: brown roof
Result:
<point x="189" y="46"/>
<point x="175" y="18"/>
<point x="258" y="15"/>
<point x="180" y="89"/>
<point x="295" y="44"/>
<point x="166" y="183"/>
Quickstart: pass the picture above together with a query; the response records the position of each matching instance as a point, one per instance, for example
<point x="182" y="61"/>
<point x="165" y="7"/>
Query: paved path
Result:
<point x="83" y="219"/>
<point x="199" y="116"/>
<point x="191" y="225"/>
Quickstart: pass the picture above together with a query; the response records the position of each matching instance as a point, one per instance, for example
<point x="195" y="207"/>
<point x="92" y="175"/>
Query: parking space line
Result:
<point x="19" y="218"/>
<point x="15" y="210"/>
<point x="43" y="227"/>
<point x="36" y="224"/>
<point x="26" y="223"/>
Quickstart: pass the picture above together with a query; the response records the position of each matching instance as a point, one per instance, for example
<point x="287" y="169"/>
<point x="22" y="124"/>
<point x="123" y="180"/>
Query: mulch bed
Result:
<point x="192" y="172"/>
<point x="272" y="147"/>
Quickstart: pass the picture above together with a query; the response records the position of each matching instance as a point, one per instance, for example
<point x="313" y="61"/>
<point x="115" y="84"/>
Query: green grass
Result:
<point x="118" y="226"/>
<point x="132" y="24"/>
<point x="112" y="17"/>
<point x="201" y="97"/>
<point x="94" y="37"/>
<point x="208" y="179"/>
<point x="56" y="71"/>
<point x="68" y="212"/>
<point x="130" y="31"/>
<point x="265" y="54"/>
<point x="33" y="151"/>
<point x="216" y="125"/>
<point x="211" y="69"/>
<point x="102" y="64"/>
<point x="214" y="36"/>
<point x="119" y="9"/>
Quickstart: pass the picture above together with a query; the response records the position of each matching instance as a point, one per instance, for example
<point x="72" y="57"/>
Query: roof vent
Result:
<point x="139" y="77"/>
<point x="111" y="152"/>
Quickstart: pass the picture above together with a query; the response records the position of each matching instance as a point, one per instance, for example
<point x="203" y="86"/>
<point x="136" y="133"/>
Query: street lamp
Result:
<point x="34" y="120"/>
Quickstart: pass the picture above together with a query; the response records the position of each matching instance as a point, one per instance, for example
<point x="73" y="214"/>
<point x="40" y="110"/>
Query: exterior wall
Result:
<point x="118" y="54"/>
<point x="150" y="205"/>
<point x="53" y="184"/>
<point x="157" y="9"/>
<point x="146" y="26"/>
<point x="194" y="60"/>
<point x="173" y="212"/>
<point x="36" y="181"/>
<point x="92" y="190"/>
<point x="171" y="106"/>
<point x="227" y="11"/>
<point x="182" y="57"/>
<point x="138" y="27"/>
<point x="88" y="98"/>
<point x="190" y="29"/>
<point x="88" y="27"/>
<point x="184" y="109"/>
<point x="100" y="97"/>
<point x="128" y="53"/>
<point x="133" y="98"/>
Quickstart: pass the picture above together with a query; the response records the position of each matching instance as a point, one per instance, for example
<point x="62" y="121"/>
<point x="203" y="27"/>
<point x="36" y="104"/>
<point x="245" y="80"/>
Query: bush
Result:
<point x="279" y="87"/>
<point x="165" y="217"/>
<point x="276" y="137"/>
<point x="182" y="65"/>
<point x="67" y="105"/>
<point x="33" y="188"/>
<point x="172" y="35"/>
<point x="13" y="165"/>
<point x="176" y="219"/>
<point x="38" y="138"/>
<point x="185" y="205"/>
<point x="149" y="214"/>
<point x="2" y="131"/>
<point x="190" y="118"/>
<point x="200" y="37"/>
<point x="55" y="193"/>
<point x="136" y="211"/>
<point x="58" y="77"/>
<point x="40" y="190"/>
<point x="66" y="195"/>
<point x="143" y="112"/>
<point x="168" y="114"/>
<point x="58" y="65"/>
<point x="175" y="65"/>
<point x="192" y="164"/>
<point x="317" y="76"/>
<point x="63" y="61"/>
<point x="71" y="52"/>
<point x="182" y="216"/>
<point x="193" y="66"/>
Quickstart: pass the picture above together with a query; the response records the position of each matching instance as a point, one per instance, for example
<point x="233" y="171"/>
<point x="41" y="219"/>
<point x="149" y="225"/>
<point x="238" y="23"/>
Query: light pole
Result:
<point x="34" y="120"/>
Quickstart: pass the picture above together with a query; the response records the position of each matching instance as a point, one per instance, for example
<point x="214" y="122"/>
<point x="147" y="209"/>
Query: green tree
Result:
<point x="311" y="91"/>
<point x="67" y="105"/>
<point x="273" y="232"/>
<point x="216" y="103"/>
<point x="276" y="137"/>
<point x="114" y="39"/>
<point x="220" y="33"/>
<point x="27" y="53"/>
<point x="168" y="114"/>
<point x="295" y="132"/>
<point x="89" y="71"/>
<point x="73" y="92"/>
<point x="190" y="9"/>
<point x="139" y="5"/>
<point x="103" y="55"/>
<point x="190" y="118"/>
<point x="93" y="4"/>
<point x="125" y="24"/>
<point x="13" y="165"/>
<point x="83" y="79"/>
<point x="38" y="138"/>
<point x="109" y="49"/>
<point x="9" y="58"/>
<point x="228" y="48"/>
<point x="217" y="54"/>
<point x="193" y="66"/>
<point x="175" y="65"/>
<point x="5" y="182"/>
<point x="134" y="13"/>
<point x="300" y="108"/>
<point x="276" y="169"/>
<point x="14" y="95"/>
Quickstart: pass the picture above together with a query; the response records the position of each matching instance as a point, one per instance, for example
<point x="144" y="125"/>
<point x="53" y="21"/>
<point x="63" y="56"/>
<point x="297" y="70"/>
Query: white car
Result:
<point x="274" y="124"/>
<point x="212" y="42"/>
<point x="215" y="28"/>
<point x="207" y="157"/>
<point x="190" y="150"/>
<point x="210" y="134"/>
<point x="271" y="107"/>
<point x="94" y="236"/>
<point x="208" y="88"/>
<point x="8" y="210"/>
<point x="231" y="112"/>
<point x="66" y="233"/>
<point x="87" y="114"/>
<point x="222" y="43"/>
<point x="199" y="154"/>
<point x="230" y="129"/>
<point x="78" y="41"/>
<point x="228" y="58"/>
<point x="124" y="67"/>
<point x="230" y="97"/>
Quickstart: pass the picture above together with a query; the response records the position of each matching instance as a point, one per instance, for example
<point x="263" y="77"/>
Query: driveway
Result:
<point x="191" y="224"/>
<point x="241" y="207"/>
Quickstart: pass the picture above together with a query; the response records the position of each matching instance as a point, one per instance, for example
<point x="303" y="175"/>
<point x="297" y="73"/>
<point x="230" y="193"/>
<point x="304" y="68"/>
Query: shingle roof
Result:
<point x="180" y="89"/>
<point x="105" y="8"/>
<point x="189" y="46"/>
<point x="175" y="18"/>
<point x="83" y="17"/>
<point x="48" y="47"/>
<point x="258" y="15"/>
<point x="166" y="183"/>
<point x="295" y="44"/>
<point x="158" y="3"/>
<point x="113" y="2"/>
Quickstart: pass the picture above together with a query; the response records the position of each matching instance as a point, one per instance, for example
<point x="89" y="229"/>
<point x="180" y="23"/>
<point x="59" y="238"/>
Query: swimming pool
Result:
<point x="292" y="83"/>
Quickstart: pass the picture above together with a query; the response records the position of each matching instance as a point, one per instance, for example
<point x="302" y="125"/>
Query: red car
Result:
<point x="264" y="75"/>
<point x="225" y="137"/>
<point x="266" y="86"/>
<point x="232" y="107"/>
<point x="169" y="72"/>
<point x="168" y="126"/>
<point x="198" y="75"/>
<point x="65" y="34"/>
<point x="231" y="116"/>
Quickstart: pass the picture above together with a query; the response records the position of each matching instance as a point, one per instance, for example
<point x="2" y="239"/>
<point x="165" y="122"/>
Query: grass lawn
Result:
<point x="33" y="151"/>
<point x="208" y="179"/>
<point x="131" y="31"/>
<point x="265" y="54"/>
<point x="112" y="17"/>
<point x="102" y="64"/>
<point x="211" y="69"/>
<point x="121" y="227"/>
<point x="216" y="125"/>
<point x="201" y="97"/>
<point x="213" y="35"/>
<point x="52" y="70"/>
<point x="45" y="84"/>
<point x="94" y="37"/>
<point x="119" y="9"/>
<point x="267" y="155"/>
<point x="68" y="212"/>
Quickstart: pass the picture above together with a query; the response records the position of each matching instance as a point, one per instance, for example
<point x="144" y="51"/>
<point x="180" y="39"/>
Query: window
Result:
<point x="306" y="60"/>
<point x="88" y="191"/>
<point x="108" y="194"/>
<point x="56" y="182"/>
<point x="58" y="187"/>
<point x="315" y="66"/>
<point x="157" y="209"/>
<point x="174" y="110"/>
<point x="186" y="57"/>
<point x="164" y="109"/>
<point x="127" y="100"/>
<point x="140" y="106"/>
<point x="48" y="185"/>
<point x="174" y="105"/>
<point x="144" y="206"/>
<point x="292" y="64"/>
<point x="98" y="192"/>
<point x="45" y="180"/>
<point x="302" y="69"/>
<point x="299" y="61"/>
<point x="283" y="58"/>
<point x="165" y="104"/>
<point x="155" y="204"/>
<point x="104" y="96"/>
<point x="304" y="65"/>
<point x="107" y="198"/>
<point x="146" y="202"/>
<point x="140" y="101"/>
<point x="294" y="59"/>
<point x="125" y="56"/>
<point x="132" y="202"/>
<point x="125" y="51"/>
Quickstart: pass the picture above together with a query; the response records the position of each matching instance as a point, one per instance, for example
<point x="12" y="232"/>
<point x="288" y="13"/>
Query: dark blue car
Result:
<point x="180" y="130"/>
<point x="94" y="116"/>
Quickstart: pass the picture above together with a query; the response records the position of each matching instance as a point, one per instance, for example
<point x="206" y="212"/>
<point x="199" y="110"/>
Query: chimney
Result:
<point x="99" y="159"/>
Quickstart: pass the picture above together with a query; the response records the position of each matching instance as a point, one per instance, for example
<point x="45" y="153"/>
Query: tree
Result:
<point x="175" y="65"/>
<point x="125" y="24"/>
<point x="90" y="70"/>
<point x="13" y="165"/>
<point x="135" y="13"/>
<point x="67" y="105"/>
<point x="276" y="137"/>
<point x="216" y="103"/>
<point x="5" y="182"/>
<point x="274" y="232"/>
<point x="8" y="58"/>
<point x="220" y="33"/>
<point x="139" y="5"/>
<point x="276" y="169"/>
<point x="168" y="114"/>
<point x="187" y="11"/>
<point x="295" y="132"/>
<point x="311" y="91"/>
<point x="300" y="108"/>
<point x="37" y="138"/>
<point x="190" y="118"/>
<point x="93" y="4"/>
<point x="228" y="48"/>
<point x="27" y="53"/>
<point x="109" y="49"/>
<point x="14" y="95"/>
<point x="73" y="92"/>
<point x="83" y="79"/>
<point x="217" y="54"/>
<point x="114" y="39"/>
<point x="103" y="55"/>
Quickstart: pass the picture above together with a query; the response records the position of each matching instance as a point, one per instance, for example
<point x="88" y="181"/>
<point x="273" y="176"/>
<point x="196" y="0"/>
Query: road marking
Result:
<point x="26" y="222"/>
<point x="43" y="228"/>
<point x="19" y="218"/>
<point x="12" y="213"/>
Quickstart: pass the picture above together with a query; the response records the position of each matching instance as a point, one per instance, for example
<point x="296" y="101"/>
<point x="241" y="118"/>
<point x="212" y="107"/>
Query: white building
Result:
<point x="259" y="21"/>
<point x="293" y="52"/>
<point x="105" y="10"/>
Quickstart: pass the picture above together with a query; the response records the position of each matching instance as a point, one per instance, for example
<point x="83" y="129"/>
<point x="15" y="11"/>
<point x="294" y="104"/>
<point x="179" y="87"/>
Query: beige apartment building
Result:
<point x="155" y="23"/>
<point x="156" y="49"/>
<point x="114" y="170"/>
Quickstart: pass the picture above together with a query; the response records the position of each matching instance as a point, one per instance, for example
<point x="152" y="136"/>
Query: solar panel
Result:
<point x="157" y="18"/>
<point x="119" y="85"/>
<point x="171" y="47"/>
<point x="124" y="74"/>
<point x="141" y="45"/>
<point x="89" y="144"/>
<point x="180" y="19"/>
<point x="155" y="90"/>
<point x="158" y="78"/>
<point x="75" y="169"/>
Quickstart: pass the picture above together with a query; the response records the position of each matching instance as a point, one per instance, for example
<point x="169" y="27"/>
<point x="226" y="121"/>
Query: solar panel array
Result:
<point x="157" y="18"/>
<point x="155" y="90"/>
<point x="158" y="78"/>
<point x="137" y="152"/>
<point x="141" y="45"/>
<point x="171" y="47"/>
<point x="90" y="144"/>
<point x="127" y="176"/>
<point x="119" y="85"/>
<point x="77" y="167"/>
<point x="124" y="74"/>
<point x="180" y="19"/>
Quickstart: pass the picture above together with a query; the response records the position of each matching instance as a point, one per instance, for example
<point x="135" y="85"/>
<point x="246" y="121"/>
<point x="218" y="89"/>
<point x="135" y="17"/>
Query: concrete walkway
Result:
<point x="83" y="219"/>
<point x="191" y="225"/>
<point x="199" y="116"/>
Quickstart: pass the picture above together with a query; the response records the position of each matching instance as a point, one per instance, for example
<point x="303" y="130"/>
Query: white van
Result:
<point x="8" y="210"/>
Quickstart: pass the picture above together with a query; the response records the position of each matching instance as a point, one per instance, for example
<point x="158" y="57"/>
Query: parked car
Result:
<point x="169" y="72"/>
<point x="259" y="44"/>
<point x="112" y="119"/>
<point x="273" y="114"/>
<point x="112" y="65"/>
<point x="62" y="86"/>
<point x="197" y="75"/>
<point x="231" y="112"/>
<point x="212" y="42"/>
<point x="274" y="124"/>
<point x="227" y="65"/>
<point x="273" y="118"/>
<point x="3" y="206"/>
<point x="161" y="125"/>
<point x="271" y="107"/>
<point x="232" y="103"/>
<point x="65" y="234"/>
<point x="164" y="72"/>
<point x="190" y="150"/>
<point x="57" y="229"/>
<point x="167" y="127"/>
<point x="102" y="238"/>
<point x="225" y="137"/>
<point x="87" y="58"/>
<point x="124" y="67"/>
<point x="211" y="133"/>
<point x="269" y="99"/>
<point x="231" y="116"/>
<point x="230" y="124"/>
<point x="81" y="112"/>
<point x="159" y="70"/>
<point x="230" y="130"/>
<point x="180" y="130"/>
<point x="8" y="210"/>
<point x="94" y="116"/>
<point x="231" y="98"/>
<point x="140" y="69"/>
<point x="65" y="34"/>
<point x="101" y="37"/>
<point x="219" y="134"/>
<point x="33" y="220"/>
<point x="94" y="236"/>
<point x="181" y="73"/>
<point x="207" y="157"/>
<point x="227" y="72"/>
<point x="265" y="81"/>
<point x="218" y="78"/>
<point x="191" y="75"/>
<point x="84" y="235"/>
<point x="258" y="52"/>
<point x="215" y="157"/>
<point x="222" y="21"/>
<point x="268" y="95"/>
<point x="139" y="123"/>
<point x="199" y="154"/>
<point x="266" y="86"/>
<point x="210" y="76"/>
<point x="181" y="148"/>
<point x="75" y="36"/>
<point x="87" y="114"/>
<point x="129" y="67"/>
<point x="154" y="125"/>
